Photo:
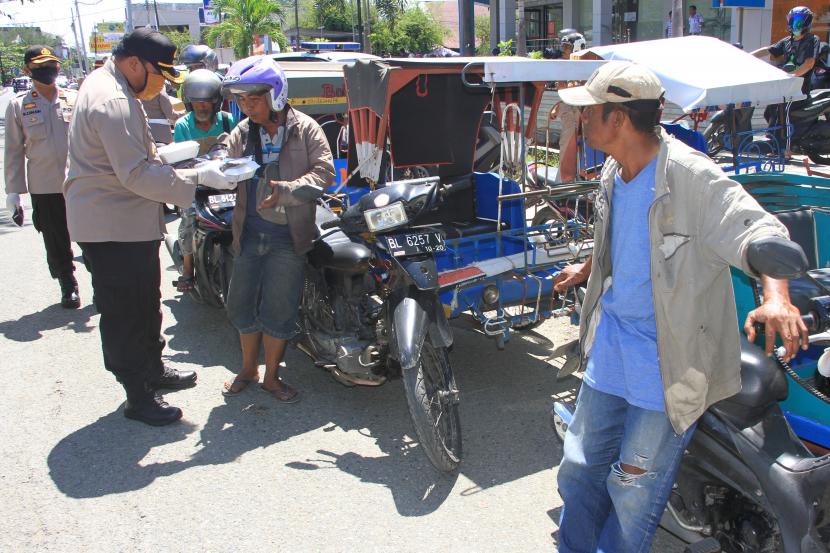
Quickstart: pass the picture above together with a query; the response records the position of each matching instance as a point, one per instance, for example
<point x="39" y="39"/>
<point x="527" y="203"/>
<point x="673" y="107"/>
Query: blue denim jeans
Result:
<point x="266" y="286"/>
<point x="606" y="508"/>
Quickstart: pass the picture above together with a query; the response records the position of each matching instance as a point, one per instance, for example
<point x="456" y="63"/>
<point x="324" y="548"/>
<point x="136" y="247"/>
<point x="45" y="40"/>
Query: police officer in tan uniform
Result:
<point x="115" y="187"/>
<point x="37" y="123"/>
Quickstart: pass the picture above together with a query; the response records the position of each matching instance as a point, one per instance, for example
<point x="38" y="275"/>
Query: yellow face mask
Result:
<point x="152" y="86"/>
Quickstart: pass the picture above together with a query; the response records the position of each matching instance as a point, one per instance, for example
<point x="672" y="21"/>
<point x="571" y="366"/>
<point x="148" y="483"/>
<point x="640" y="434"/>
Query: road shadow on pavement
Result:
<point x="103" y="458"/>
<point x="505" y="405"/>
<point x="29" y="328"/>
<point x="201" y="335"/>
<point x="505" y="401"/>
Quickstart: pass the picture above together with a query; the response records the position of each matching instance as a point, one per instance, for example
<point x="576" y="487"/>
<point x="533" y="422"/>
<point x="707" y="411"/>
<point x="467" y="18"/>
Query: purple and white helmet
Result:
<point x="255" y="75"/>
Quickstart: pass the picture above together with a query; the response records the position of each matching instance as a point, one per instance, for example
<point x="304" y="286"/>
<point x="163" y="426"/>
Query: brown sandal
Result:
<point x="285" y="394"/>
<point x="238" y="385"/>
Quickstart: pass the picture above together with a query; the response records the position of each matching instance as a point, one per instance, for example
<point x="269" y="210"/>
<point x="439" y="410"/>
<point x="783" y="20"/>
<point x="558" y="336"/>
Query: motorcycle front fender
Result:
<point x="413" y="318"/>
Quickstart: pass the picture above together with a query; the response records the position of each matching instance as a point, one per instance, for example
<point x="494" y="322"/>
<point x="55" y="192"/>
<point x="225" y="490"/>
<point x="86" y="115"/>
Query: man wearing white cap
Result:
<point x="659" y="343"/>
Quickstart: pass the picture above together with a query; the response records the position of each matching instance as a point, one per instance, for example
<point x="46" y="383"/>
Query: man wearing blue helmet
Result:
<point x="798" y="52"/>
<point x="273" y="222"/>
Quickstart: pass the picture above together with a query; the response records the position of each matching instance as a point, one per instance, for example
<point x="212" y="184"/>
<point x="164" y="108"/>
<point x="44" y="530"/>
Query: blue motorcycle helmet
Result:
<point x="255" y="75"/>
<point x="799" y="20"/>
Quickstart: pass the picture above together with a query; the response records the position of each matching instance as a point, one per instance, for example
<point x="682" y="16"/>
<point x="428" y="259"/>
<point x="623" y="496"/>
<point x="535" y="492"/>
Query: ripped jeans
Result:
<point x="616" y="475"/>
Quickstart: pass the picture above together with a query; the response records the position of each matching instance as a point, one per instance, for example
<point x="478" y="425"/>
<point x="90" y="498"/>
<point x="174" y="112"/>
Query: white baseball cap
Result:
<point x="617" y="82"/>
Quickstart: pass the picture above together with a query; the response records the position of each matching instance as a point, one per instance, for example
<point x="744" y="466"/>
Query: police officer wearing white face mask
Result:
<point x="37" y="122"/>
<point x="115" y="187"/>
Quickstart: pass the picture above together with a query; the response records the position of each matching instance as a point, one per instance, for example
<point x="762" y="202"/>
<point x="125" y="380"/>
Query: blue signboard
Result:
<point x="738" y="3"/>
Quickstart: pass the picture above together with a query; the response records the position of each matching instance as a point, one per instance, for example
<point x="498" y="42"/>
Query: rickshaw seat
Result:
<point x="801" y="225"/>
<point x="469" y="207"/>
<point x="457" y="206"/>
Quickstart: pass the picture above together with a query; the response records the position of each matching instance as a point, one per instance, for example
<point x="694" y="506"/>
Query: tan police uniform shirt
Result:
<point x="34" y="159"/>
<point x="115" y="182"/>
<point x="161" y="115"/>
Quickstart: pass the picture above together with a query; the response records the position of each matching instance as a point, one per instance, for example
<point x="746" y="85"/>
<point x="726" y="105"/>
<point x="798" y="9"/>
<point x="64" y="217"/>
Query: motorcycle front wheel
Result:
<point x="433" y="407"/>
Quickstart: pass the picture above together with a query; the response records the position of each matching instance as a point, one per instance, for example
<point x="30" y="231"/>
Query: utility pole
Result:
<point x="81" y="61"/>
<point x="297" y="24"/>
<point x="467" y="22"/>
<point x="368" y="46"/>
<point x="128" y="28"/>
<point x="359" y="25"/>
<point x="354" y="35"/>
<point x="156" y="9"/>
<point x="147" y="10"/>
<point x="81" y="32"/>
<point x="521" y="38"/>
<point x="677" y="17"/>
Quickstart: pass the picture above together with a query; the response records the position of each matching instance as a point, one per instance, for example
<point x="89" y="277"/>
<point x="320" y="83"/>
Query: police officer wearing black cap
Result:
<point x="37" y="122"/>
<point x="115" y="187"/>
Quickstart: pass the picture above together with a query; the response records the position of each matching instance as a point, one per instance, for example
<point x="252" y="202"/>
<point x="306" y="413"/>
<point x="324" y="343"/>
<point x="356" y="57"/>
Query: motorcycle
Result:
<point x="810" y="134"/>
<point x="212" y="257"/>
<point x="747" y="483"/>
<point x="370" y="308"/>
<point x="821" y="72"/>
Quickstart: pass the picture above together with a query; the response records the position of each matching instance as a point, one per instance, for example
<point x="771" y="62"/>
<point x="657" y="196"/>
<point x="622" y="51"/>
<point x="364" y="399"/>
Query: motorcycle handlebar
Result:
<point x="330" y="224"/>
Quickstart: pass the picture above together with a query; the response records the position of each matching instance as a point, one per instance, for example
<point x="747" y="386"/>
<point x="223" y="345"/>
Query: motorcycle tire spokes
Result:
<point x="433" y="405"/>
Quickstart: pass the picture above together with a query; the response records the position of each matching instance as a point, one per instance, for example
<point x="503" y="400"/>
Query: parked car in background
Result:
<point x="21" y="83"/>
<point x="340" y="57"/>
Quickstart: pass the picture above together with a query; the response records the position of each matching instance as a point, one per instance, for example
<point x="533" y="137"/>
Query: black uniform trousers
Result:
<point x="49" y="219"/>
<point x="126" y="278"/>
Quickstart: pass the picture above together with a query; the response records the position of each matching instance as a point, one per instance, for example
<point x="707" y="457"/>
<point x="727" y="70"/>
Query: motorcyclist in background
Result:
<point x="204" y="123"/>
<point x="797" y="55"/>
<point x="199" y="56"/>
<point x="798" y="52"/>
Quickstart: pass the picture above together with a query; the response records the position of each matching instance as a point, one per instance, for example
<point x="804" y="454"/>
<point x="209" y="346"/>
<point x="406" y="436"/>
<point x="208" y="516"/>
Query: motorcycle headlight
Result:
<point x="383" y="218"/>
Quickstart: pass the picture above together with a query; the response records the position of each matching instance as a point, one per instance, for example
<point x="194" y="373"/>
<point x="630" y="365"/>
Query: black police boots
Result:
<point x="151" y="409"/>
<point x="69" y="292"/>
<point x="172" y="379"/>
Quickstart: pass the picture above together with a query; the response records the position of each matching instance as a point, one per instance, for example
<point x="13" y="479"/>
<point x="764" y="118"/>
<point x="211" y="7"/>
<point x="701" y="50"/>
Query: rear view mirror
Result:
<point x="777" y="257"/>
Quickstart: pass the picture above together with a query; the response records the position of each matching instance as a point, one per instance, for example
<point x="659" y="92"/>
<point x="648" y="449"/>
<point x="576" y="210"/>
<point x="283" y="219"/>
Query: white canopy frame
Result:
<point x="699" y="73"/>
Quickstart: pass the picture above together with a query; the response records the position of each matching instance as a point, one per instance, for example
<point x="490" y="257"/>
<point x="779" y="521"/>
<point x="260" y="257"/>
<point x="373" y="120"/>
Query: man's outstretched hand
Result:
<point x="780" y="317"/>
<point x="572" y="275"/>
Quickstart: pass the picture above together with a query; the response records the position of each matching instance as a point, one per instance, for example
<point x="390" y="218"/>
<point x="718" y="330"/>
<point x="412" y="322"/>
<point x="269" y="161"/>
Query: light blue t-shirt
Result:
<point x="624" y="359"/>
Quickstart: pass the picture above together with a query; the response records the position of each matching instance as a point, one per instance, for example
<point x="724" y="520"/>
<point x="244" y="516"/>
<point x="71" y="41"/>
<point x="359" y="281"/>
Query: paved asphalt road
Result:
<point x="338" y="471"/>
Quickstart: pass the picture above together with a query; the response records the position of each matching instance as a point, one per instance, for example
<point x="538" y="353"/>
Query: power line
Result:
<point x="35" y="22"/>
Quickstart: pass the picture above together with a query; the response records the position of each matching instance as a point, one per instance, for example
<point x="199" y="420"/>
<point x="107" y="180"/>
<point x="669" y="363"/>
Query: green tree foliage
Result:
<point x="334" y="15"/>
<point x="180" y="38"/>
<point x="482" y="30"/>
<point x="414" y="31"/>
<point x="15" y="40"/>
<point x="390" y="10"/>
<point x="242" y="19"/>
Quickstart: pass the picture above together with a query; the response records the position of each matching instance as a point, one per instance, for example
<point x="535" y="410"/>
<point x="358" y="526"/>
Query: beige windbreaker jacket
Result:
<point x="700" y="223"/>
<point x="306" y="169"/>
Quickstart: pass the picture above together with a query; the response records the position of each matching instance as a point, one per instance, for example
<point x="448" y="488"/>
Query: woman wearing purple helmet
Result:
<point x="273" y="222"/>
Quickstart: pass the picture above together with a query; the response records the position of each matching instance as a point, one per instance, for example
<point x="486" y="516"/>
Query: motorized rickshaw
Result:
<point x="425" y="116"/>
